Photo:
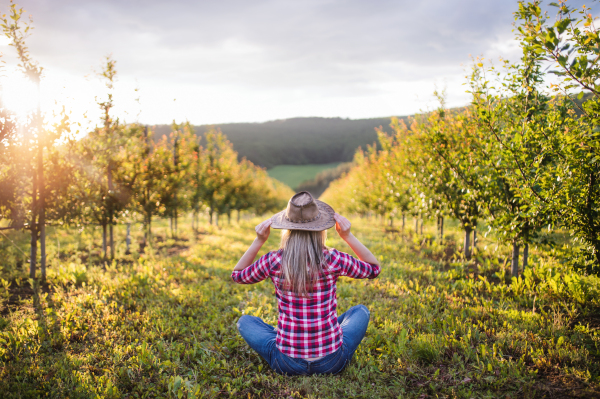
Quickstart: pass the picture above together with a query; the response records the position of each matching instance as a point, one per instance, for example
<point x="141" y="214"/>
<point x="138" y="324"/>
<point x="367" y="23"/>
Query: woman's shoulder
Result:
<point x="331" y="255"/>
<point x="330" y="251"/>
<point x="275" y="257"/>
<point x="276" y="253"/>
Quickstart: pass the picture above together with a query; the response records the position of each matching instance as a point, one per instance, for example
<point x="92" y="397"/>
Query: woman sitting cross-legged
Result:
<point x="310" y="337"/>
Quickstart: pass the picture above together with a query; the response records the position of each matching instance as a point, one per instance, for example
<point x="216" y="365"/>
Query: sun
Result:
<point x="18" y="93"/>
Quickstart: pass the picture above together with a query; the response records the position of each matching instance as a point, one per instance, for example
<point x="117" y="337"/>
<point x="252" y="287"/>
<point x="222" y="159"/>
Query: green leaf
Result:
<point x="562" y="25"/>
<point x="562" y="60"/>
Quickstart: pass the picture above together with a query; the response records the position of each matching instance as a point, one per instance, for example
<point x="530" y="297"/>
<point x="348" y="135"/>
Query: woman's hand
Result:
<point x="342" y="226"/>
<point x="262" y="233"/>
<point x="263" y="230"/>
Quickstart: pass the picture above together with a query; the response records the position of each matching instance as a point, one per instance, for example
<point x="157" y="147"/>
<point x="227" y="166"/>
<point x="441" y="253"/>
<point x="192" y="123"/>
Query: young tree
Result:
<point x="176" y="178"/>
<point x="504" y="111"/>
<point x="148" y="162"/>
<point x="38" y="139"/>
<point x="219" y="158"/>
<point x="443" y="164"/>
<point x="105" y="179"/>
<point x="566" y="182"/>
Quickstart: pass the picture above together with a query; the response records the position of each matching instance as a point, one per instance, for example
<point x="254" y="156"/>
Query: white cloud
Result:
<point x="237" y="60"/>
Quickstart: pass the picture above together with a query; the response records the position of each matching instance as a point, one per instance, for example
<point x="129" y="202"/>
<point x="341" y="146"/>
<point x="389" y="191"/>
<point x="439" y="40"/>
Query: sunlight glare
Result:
<point x="18" y="93"/>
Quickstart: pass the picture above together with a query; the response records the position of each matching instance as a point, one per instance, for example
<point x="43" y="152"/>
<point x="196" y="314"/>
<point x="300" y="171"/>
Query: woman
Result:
<point x="310" y="337"/>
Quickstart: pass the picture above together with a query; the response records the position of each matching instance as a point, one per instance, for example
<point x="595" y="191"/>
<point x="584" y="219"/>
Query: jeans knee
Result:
<point x="365" y="309"/>
<point x="241" y="321"/>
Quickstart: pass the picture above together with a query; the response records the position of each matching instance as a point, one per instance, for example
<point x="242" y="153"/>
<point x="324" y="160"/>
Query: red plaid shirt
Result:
<point x="308" y="327"/>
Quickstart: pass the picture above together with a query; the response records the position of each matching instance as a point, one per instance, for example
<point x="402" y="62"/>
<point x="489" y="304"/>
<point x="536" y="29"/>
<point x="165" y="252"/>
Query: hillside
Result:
<point x="297" y="141"/>
<point x="295" y="175"/>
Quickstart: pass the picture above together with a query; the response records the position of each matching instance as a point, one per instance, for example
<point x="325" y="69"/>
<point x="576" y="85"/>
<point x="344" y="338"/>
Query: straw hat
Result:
<point x="304" y="213"/>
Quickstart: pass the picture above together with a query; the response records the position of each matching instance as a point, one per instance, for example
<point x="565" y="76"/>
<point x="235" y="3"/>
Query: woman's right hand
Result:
<point x="263" y="230"/>
<point x="342" y="225"/>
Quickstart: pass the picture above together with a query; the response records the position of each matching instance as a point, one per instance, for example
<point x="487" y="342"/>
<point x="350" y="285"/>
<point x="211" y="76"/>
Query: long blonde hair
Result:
<point x="302" y="260"/>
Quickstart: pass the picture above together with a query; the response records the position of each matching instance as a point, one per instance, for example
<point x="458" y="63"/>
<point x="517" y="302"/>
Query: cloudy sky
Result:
<point x="257" y="60"/>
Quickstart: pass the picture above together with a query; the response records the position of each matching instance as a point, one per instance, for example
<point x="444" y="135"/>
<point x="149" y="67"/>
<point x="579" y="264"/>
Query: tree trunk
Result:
<point x="210" y="219"/>
<point x="421" y="227"/>
<point x="111" y="241"/>
<point x="441" y="229"/>
<point x="42" y="246"/>
<point x="104" y="241"/>
<point x="171" y="225"/>
<point x="128" y="239"/>
<point x="195" y="219"/>
<point x="474" y="239"/>
<point x="42" y="212"/>
<point x="416" y="225"/>
<point x="33" y="226"/>
<point x="229" y="217"/>
<point x="467" y="248"/>
<point x="525" y="255"/>
<point x="146" y="217"/>
<point x="175" y="222"/>
<point x="514" y="267"/>
<point x="110" y="212"/>
<point x="391" y="221"/>
<point x="149" y="229"/>
<point x="403" y="221"/>
<point x="33" y="251"/>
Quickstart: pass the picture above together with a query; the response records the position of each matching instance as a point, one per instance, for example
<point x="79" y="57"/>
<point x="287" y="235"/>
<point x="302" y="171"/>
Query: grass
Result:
<point x="293" y="175"/>
<point x="162" y="323"/>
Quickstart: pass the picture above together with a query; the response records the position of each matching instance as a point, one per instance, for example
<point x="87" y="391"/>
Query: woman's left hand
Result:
<point x="263" y="230"/>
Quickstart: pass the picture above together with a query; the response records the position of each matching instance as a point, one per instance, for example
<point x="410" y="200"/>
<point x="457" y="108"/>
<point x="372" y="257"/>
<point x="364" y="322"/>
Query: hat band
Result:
<point x="302" y="220"/>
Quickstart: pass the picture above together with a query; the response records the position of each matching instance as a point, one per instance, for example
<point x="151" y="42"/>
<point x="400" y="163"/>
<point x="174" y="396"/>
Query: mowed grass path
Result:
<point x="293" y="175"/>
<point x="164" y="326"/>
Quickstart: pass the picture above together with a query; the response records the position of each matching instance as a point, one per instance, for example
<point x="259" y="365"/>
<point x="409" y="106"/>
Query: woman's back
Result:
<point x="307" y="326"/>
<point x="310" y="337"/>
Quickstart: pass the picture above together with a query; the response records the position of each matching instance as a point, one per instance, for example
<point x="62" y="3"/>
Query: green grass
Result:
<point x="162" y="324"/>
<point x="293" y="175"/>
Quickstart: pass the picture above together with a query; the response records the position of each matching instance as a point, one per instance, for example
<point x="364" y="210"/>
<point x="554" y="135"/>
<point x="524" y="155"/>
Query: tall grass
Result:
<point x="162" y="324"/>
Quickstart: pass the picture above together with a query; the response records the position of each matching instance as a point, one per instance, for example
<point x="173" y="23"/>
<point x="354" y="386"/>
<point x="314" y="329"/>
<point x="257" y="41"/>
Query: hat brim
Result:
<point x="324" y="222"/>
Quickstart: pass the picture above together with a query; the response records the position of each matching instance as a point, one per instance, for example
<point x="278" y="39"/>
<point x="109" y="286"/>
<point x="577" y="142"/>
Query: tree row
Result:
<point x="116" y="173"/>
<point x="524" y="156"/>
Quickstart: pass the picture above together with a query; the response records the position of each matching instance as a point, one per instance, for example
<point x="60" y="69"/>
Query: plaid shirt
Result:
<point x="308" y="327"/>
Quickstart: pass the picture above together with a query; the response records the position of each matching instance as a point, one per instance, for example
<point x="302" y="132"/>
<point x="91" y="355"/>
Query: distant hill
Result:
<point x="297" y="141"/>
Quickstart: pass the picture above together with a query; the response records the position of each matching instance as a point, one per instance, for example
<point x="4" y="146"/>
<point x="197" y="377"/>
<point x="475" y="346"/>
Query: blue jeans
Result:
<point x="261" y="337"/>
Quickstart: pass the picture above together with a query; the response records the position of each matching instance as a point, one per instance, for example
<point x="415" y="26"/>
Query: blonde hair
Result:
<point x="302" y="259"/>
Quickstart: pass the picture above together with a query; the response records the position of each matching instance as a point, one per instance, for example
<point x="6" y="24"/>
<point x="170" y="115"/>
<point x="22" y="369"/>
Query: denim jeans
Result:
<point x="261" y="337"/>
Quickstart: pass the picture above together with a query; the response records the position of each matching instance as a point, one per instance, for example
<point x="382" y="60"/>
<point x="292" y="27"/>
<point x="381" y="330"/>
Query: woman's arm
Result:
<point x="262" y="233"/>
<point x="342" y="226"/>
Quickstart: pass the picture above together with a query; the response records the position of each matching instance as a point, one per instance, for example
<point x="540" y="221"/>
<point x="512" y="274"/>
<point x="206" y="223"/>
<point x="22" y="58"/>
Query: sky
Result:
<point x="213" y="62"/>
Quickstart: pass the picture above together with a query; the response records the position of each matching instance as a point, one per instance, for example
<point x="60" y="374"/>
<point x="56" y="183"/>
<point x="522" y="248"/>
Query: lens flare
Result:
<point x="18" y="93"/>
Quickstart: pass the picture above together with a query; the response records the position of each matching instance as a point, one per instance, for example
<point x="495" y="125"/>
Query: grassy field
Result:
<point x="162" y="323"/>
<point x="293" y="175"/>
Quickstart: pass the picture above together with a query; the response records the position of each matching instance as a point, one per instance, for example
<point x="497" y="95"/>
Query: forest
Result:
<point x="117" y="247"/>
<point x="296" y="141"/>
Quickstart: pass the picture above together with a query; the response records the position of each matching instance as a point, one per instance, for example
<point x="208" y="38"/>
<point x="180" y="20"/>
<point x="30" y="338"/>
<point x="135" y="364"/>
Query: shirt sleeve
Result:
<point x="349" y="266"/>
<point x="255" y="273"/>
